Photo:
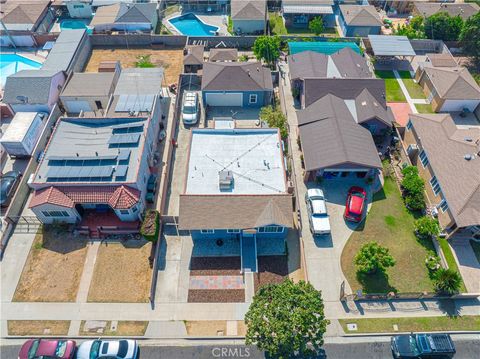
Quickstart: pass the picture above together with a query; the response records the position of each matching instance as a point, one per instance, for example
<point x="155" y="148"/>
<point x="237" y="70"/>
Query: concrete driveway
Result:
<point x="323" y="253"/>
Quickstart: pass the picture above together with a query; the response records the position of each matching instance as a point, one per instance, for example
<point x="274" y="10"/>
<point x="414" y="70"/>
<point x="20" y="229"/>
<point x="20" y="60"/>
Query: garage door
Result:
<point x="77" y="106"/>
<point x="224" y="99"/>
<point x="459" y="105"/>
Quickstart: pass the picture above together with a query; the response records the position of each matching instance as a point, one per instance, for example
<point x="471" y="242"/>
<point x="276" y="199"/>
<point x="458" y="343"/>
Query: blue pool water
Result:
<point x="73" y="24"/>
<point x="191" y="25"/>
<point x="12" y="63"/>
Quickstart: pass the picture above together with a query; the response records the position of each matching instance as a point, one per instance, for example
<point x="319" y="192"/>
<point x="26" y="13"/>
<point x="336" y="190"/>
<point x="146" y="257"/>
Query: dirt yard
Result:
<point x="170" y="59"/>
<point x="53" y="268"/>
<point x="122" y="273"/>
<point x="124" y="328"/>
<point x="206" y="328"/>
<point x="271" y="270"/>
<point x="38" y="327"/>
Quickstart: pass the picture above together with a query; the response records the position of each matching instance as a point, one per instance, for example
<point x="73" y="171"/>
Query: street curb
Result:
<point x="92" y="337"/>
<point x="408" y="332"/>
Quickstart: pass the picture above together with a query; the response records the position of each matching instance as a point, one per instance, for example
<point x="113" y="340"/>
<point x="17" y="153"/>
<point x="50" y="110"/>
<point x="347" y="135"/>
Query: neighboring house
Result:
<point x="345" y="63"/>
<point x="249" y="16"/>
<point x="242" y="84"/>
<point x="240" y="194"/>
<point x="33" y="90"/>
<point x="126" y="17"/>
<point x="193" y="58"/>
<point x="298" y="14"/>
<point x="21" y="20"/>
<point x="205" y="5"/>
<point x="427" y="9"/>
<point x="98" y="166"/>
<point x="88" y="91"/>
<point x="359" y="20"/>
<point x="447" y="158"/>
<point x="449" y="88"/>
<point x="79" y="8"/>
<point x="336" y="136"/>
<point x="222" y="55"/>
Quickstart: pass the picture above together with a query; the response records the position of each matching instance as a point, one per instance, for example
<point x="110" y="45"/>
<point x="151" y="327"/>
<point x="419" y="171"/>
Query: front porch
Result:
<point x="95" y="224"/>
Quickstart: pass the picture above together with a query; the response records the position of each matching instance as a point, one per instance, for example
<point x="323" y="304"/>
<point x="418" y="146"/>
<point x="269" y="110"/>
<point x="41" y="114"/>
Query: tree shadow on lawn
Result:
<point x="375" y="283"/>
<point x="58" y="241"/>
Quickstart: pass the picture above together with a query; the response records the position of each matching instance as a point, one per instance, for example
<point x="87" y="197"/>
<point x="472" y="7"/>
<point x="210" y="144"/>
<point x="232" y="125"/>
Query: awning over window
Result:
<point x="307" y="9"/>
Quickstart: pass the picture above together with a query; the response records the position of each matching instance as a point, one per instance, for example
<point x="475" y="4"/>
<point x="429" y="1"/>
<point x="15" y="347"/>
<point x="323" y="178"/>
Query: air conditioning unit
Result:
<point x="435" y="212"/>
<point x="225" y="180"/>
<point x="412" y="148"/>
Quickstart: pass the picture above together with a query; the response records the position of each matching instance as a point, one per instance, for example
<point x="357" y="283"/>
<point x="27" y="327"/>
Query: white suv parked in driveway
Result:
<point x="190" y="108"/>
<point x="317" y="212"/>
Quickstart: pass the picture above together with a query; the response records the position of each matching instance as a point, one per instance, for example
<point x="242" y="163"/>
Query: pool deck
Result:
<point x="210" y="19"/>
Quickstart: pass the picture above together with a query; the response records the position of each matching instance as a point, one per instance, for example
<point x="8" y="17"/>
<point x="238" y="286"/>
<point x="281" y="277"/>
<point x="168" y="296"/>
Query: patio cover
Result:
<point x="307" y="9"/>
<point x="383" y="45"/>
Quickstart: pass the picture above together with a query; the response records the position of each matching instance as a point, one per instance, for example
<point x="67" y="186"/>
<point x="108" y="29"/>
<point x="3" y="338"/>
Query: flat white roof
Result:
<point x="307" y="9"/>
<point x="254" y="156"/>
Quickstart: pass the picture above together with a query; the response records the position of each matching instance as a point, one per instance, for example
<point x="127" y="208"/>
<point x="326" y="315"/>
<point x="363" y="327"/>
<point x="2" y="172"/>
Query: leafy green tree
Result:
<point x="274" y="119"/>
<point x="470" y="37"/>
<point x="442" y="26"/>
<point x="287" y="319"/>
<point x="373" y="257"/>
<point x="414" y="30"/>
<point x="267" y="48"/>
<point x="447" y="281"/>
<point x="426" y="227"/>
<point x="414" y="186"/>
<point x="316" y="25"/>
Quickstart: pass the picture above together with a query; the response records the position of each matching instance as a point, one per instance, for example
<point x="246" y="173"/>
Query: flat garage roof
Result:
<point x="253" y="155"/>
<point x="391" y="45"/>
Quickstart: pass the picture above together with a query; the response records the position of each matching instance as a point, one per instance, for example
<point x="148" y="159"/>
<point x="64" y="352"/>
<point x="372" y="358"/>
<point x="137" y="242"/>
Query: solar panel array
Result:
<point x="140" y="103"/>
<point x="80" y="172"/>
<point x="124" y="155"/>
<point x="124" y="139"/>
<point x="121" y="171"/>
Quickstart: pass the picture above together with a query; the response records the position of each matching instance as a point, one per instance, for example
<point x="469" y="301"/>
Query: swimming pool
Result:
<point x="191" y="25"/>
<point x="68" y="24"/>
<point x="12" y="63"/>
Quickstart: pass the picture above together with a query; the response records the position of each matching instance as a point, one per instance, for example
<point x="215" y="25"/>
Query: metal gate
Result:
<point x="26" y="224"/>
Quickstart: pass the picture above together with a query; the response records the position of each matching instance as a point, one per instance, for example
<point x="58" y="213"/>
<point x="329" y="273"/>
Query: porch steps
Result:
<point x="248" y="247"/>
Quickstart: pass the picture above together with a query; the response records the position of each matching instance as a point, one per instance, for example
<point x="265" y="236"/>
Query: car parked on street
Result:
<point x="354" y="207"/>
<point x="422" y="346"/>
<point x="96" y="349"/>
<point x="317" y="212"/>
<point x="47" y="348"/>
<point x="190" y="109"/>
<point x="8" y="184"/>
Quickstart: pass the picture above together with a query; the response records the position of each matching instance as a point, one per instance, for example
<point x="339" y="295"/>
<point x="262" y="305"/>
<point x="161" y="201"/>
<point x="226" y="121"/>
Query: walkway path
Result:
<point x="467" y="264"/>
<point x="87" y="273"/>
<point x="410" y="101"/>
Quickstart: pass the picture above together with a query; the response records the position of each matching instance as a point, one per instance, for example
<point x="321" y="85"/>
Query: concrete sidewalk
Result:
<point x="410" y="101"/>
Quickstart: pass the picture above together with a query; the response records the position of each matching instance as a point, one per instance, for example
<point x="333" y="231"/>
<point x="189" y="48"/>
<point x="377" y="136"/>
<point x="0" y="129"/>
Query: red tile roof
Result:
<point x="121" y="197"/>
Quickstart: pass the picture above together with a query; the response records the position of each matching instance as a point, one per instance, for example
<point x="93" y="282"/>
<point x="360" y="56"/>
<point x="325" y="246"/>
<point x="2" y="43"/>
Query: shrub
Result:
<point x="426" y="227"/>
<point x="316" y="25"/>
<point x="143" y="61"/>
<point x="432" y="262"/>
<point x="447" y="281"/>
<point x="414" y="186"/>
<point x="243" y="58"/>
<point x="275" y="119"/>
<point x="150" y="226"/>
<point x="373" y="257"/>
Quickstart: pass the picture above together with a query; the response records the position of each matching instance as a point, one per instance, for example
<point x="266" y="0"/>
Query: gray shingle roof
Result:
<point x="454" y="83"/>
<point x="464" y="10"/>
<point x="139" y="12"/>
<point x="193" y="55"/>
<point x="442" y="60"/>
<point x="459" y="179"/>
<point x="64" y="50"/>
<point x="343" y="88"/>
<point x="32" y="84"/>
<point x="248" y="9"/>
<point x="22" y="12"/>
<point x="90" y="84"/>
<point x="236" y="76"/>
<point x="360" y="15"/>
<point x="367" y="108"/>
<point x="344" y="63"/>
<point x="223" y="55"/>
<point x="234" y="211"/>
<point x="331" y="137"/>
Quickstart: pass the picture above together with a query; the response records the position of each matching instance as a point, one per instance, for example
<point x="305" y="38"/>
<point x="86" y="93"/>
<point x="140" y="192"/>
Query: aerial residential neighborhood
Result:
<point x="239" y="179"/>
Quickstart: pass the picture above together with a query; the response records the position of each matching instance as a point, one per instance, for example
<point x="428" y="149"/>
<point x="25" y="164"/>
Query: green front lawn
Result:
<point x="424" y="108"/>
<point x="451" y="262"/>
<point x="390" y="224"/>
<point x="394" y="92"/>
<point x="414" y="89"/>
<point x="420" y="324"/>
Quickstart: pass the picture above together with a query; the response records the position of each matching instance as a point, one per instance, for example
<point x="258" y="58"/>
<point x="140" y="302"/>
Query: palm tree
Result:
<point x="447" y="281"/>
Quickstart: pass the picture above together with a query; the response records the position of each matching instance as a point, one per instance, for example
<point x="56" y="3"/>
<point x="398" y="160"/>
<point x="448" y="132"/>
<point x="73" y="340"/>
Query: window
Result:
<point x="233" y="231"/>
<point x="99" y="105"/>
<point x="124" y="211"/>
<point x="78" y="6"/>
<point x="443" y="205"/>
<point x="135" y="209"/>
<point x="207" y="231"/>
<point x="435" y="185"/>
<point x="409" y="125"/>
<point x="252" y="98"/>
<point x="55" y="214"/>
<point x="271" y="229"/>
<point x="423" y="158"/>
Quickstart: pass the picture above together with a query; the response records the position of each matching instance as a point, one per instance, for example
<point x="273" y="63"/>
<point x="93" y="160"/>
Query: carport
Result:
<point x="388" y="49"/>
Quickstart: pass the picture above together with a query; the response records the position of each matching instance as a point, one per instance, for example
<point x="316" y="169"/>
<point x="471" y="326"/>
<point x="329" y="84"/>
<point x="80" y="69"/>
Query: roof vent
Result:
<point x="225" y="180"/>
<point x="468" y="157"/>
<point x="468" y="139"/>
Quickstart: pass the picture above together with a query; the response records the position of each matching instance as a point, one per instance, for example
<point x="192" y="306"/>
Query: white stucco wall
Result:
<point x="73" y="215"/>
<point x="248" y="26"/>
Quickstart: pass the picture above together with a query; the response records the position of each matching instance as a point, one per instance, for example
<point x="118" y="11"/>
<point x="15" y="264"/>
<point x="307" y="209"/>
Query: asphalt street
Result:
<point x="466" y="349"/>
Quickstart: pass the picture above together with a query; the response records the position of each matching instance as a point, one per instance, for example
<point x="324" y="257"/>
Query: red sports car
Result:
<point x="355" y="202"/>
<point x="43" y="348"/>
